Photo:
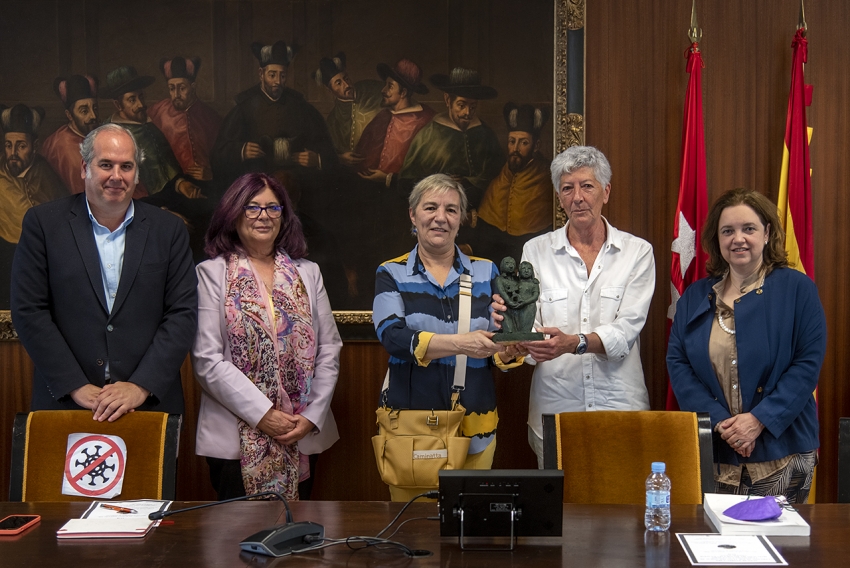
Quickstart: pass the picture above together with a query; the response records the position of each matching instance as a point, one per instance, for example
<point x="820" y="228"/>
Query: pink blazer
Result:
<point x="227" y="393"/>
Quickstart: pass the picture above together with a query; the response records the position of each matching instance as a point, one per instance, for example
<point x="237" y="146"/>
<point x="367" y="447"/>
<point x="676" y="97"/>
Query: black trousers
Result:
<point x="226" y="478"/>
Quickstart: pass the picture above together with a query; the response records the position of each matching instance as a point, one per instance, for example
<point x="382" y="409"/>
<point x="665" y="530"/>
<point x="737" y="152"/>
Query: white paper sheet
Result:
<point x="142" y="508"/>
<point x="730" y="550"/>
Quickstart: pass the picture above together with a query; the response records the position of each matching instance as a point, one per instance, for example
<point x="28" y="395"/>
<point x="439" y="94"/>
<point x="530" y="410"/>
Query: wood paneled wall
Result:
<point x="635" y="92"/>
<point x="346" y="471"/>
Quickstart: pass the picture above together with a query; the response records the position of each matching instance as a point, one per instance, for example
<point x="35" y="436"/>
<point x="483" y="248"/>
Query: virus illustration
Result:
<point x="97" y="471"/>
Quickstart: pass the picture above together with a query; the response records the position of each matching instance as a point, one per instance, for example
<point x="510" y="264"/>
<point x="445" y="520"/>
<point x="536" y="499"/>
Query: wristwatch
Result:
<point x="581" y="348"/>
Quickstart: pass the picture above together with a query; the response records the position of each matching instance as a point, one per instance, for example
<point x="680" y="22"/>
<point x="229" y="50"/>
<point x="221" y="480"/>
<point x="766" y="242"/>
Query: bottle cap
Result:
<point x="658" y="467"/>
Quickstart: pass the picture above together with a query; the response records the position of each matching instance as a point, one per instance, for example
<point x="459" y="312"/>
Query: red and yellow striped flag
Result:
<point x="795" y="180"/>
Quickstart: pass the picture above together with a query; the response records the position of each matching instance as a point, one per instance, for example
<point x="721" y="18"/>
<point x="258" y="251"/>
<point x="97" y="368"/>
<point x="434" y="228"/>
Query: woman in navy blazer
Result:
<point x="746" y="346"/>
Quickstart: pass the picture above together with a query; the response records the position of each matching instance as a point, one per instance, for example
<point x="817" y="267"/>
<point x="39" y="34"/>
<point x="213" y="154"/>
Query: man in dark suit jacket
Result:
<point x="104" y="293"/>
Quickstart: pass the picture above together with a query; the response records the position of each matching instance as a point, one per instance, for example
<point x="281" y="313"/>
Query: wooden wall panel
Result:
<point x="346" y="471"/>
<point x="636" y="84"/>
<point x="15" y="394"/>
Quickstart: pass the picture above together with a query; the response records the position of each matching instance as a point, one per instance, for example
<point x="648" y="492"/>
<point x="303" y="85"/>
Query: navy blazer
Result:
<point x="781" y="340"/>
<point x="60" y="313"/>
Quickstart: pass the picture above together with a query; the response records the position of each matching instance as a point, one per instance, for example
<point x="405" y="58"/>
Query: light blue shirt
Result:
<point x="110" y="249"/>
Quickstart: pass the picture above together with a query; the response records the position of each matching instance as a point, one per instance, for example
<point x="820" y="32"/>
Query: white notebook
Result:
<point x="790" y="523"/>
<point x="132" y="527"/>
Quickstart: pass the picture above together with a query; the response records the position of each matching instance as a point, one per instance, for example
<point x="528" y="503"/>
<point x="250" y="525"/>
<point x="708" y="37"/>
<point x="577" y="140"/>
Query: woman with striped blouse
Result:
<point x="416" y="313"/>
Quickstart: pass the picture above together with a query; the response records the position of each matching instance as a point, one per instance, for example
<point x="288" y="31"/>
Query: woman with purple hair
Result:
<point x="267" y="349"/>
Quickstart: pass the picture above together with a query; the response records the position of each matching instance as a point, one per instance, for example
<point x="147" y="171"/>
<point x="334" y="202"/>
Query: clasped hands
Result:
<point x="112" y="401"/>
<point x="741" y="432"/>
<point x="285" y="428"/>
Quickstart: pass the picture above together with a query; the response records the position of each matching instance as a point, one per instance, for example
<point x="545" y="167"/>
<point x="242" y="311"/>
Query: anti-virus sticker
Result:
<point x="94" y="465"/>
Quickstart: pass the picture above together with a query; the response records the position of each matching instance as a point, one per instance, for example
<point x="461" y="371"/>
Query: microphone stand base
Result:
<point x="284" y="539"/>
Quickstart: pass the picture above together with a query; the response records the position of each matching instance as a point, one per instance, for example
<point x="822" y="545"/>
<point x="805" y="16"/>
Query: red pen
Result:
<point x="117" y="508"/>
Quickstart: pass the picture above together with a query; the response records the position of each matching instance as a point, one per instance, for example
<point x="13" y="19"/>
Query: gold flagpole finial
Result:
<point x="694" y="32"/>
<point x="802" y="23"/>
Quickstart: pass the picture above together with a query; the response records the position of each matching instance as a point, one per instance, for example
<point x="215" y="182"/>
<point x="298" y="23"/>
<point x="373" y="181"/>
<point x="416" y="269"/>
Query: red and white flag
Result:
<point x="688" y="263"/>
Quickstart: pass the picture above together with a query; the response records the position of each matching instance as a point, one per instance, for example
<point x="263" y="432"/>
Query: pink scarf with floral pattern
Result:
<point x="275" y="347"/>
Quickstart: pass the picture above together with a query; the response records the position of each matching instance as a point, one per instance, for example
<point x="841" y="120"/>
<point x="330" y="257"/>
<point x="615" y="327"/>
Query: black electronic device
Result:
<point x="501" y="503"/>
<point x="276" y="541"/>
<point x="284" y="539"/>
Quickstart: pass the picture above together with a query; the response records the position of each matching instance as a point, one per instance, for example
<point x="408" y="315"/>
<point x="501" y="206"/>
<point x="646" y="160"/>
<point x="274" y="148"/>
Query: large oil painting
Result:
<point x="347" y="102"/>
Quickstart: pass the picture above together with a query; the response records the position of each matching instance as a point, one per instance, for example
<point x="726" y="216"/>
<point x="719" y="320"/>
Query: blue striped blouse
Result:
<point x="409" y="308"/>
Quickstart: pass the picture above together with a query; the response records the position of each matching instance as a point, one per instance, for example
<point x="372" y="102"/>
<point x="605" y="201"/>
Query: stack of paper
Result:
<point x="134" y="527"/>
<point x="790" y="523"/>
<point x="114" y="519"/>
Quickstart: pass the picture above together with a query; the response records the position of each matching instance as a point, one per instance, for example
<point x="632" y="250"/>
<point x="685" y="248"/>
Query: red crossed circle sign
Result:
<point x="108" y="454"/>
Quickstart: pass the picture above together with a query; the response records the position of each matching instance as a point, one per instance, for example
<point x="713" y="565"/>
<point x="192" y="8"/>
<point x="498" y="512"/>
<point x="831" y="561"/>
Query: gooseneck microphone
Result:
<point x="157" y="515"/>
<point x="276" y="541"/>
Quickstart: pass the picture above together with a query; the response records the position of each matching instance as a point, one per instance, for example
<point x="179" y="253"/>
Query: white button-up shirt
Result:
<point x="612" y="301"/>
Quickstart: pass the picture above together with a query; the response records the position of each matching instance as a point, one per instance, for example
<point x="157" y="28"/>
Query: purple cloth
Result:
<point x="763" y="509"/>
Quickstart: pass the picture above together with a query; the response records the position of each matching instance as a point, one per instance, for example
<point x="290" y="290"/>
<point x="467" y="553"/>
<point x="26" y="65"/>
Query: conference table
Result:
<point x="594" y="535"/>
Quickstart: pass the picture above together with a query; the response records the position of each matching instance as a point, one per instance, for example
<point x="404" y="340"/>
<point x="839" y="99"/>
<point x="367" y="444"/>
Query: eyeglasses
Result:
<point x="254" y="211"/>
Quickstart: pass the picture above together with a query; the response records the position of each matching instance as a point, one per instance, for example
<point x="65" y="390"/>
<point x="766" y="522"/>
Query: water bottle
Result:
<point x="657" y="517"/>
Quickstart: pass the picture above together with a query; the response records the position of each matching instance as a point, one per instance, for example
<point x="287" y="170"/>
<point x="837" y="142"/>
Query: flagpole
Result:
<point x="695" y="32"/>
<point x="688" y="258"/>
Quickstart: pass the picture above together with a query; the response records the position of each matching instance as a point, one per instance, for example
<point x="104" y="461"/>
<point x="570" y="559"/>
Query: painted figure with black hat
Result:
<point x="386" y="140"/>
<point x="78" y="94"/>
<point x="355" y="105"/>
<point x="190" y="125"/>
<point x="518" y="203"/>
<point x="26" y="180"/>
<point x="383" y="146"/>
<point x="272" y="127"/>
<point x="456" y="142"/>
<point x="160" y="169"/>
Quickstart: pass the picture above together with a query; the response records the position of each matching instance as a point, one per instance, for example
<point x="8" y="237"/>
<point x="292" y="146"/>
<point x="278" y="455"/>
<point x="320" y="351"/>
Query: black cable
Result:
<point x="398" y="528"/>
<point x="367" y="542"/>
<point x="377" y="541"/>
<point x="427" y="495"/>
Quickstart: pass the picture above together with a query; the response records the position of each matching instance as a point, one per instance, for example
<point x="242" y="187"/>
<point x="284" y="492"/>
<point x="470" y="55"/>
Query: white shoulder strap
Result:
<point x="463" y="318"/>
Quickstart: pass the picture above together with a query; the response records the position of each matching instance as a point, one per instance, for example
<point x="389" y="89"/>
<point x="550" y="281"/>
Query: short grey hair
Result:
<point x="439" y="184"/>
<point x="87" y="145"/>
<point x="578" y="157"/>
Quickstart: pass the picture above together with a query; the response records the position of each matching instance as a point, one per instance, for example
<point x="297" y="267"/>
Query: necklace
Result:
<point x="757" y="287"/>
<point x="723" y="325"/>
